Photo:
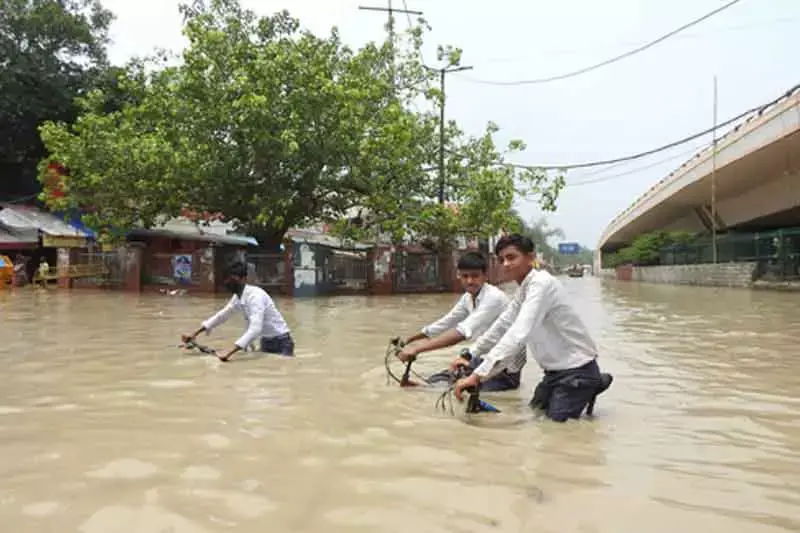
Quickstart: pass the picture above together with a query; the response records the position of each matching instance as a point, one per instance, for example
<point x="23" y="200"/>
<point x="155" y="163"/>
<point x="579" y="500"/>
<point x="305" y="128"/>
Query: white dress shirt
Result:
<point x="470" y="316"/>
<point x="541" y="319"/>
<point x="262" y="317"/>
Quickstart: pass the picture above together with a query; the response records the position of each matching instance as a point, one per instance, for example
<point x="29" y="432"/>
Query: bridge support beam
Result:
<point x="704" y="215"/>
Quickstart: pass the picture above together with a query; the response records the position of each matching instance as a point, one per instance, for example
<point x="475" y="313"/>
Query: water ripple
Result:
<point x="107" y="426"/>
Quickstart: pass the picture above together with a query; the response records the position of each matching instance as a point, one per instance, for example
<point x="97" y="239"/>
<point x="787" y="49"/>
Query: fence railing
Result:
<point x="776" y="253"/>
<point x="417" y="272"/>
<point x="310" y="270"/>
<point x="110" y="265"/>
<point x="345" y="271"/>
<point x="267" y="270"/>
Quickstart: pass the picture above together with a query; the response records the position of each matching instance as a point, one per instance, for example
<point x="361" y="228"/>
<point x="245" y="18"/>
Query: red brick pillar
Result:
<point x="288" y="267"/>
<point x="206" y="265"/>
<point x="382" y="260"/>
<point x="133" y="255"/>
<point x="451" y="265"/>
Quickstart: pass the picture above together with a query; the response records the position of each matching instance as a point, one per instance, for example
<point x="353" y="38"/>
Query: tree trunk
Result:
<point x="269" y="239"/>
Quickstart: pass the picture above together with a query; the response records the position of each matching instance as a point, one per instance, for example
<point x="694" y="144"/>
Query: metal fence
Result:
<point x="416" y="272"/>
<point x="267" y="270"/>
<point x="110" y="267"/>
<point x="345" y="271"/>
<point x="776" y="253"/>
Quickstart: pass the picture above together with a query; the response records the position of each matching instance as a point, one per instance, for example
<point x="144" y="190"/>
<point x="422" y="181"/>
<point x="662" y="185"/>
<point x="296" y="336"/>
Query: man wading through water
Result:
<point x="540" y="318"/>
<point x="264" y="321"/>
<point x="473" y="314"/>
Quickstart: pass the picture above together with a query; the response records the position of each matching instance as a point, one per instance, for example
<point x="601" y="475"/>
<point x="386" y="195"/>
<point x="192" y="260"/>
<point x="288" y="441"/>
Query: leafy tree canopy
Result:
<point x="276" y="128"/>
<point x="50" y="52"/>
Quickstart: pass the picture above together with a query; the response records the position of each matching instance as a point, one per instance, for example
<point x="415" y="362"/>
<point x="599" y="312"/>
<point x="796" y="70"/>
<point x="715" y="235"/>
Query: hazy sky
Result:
<point x="653" y="98"/>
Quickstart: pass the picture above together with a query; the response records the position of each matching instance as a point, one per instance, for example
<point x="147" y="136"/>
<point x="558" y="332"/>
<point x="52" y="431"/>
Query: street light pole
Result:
<point x="442" y="74"/>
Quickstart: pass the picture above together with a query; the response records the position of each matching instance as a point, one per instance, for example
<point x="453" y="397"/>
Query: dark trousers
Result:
<point x="564" y="394"/>
<point x="282" y="344"/>
<point x="503" y="381"/>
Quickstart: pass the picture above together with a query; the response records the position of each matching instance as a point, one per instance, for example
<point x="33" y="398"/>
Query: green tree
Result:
<point x="481" y="185"/>
<point x="276" y="127"/>
<point x="50" y="52"/>
<point x="541" y="234"/>
<point x="645" y="249"/>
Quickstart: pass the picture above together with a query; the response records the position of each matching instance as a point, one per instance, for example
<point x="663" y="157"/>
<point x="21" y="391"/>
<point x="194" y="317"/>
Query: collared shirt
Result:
<point x="541" y="319"/>
<point x="471" y="317"/>
<point x="262" y="317"/>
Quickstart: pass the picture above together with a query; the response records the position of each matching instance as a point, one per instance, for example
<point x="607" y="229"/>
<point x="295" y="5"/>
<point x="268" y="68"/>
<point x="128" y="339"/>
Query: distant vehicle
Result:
<point x="575" y="271"/>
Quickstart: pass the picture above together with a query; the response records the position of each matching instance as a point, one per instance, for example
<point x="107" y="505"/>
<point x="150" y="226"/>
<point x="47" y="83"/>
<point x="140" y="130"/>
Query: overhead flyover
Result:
<point x="757" y="182"/>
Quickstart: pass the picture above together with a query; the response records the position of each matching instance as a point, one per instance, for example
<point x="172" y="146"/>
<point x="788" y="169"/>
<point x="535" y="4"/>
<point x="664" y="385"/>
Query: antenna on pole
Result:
<point x="391" y="11"/>
<point x="390" y="26"/>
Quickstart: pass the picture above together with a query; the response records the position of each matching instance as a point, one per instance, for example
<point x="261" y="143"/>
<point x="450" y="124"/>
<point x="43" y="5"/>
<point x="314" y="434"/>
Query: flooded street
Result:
<point x="107" y="427"/>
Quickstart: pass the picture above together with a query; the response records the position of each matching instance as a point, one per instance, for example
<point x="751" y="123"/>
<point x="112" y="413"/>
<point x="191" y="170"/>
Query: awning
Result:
<point x="10" y="241"/>
<point x="195" y="234"/>
<point x="74" y="220"/>
<point x="56" y="233"/>
<point x="181" y="228"/>
<point x="315" y="237"/>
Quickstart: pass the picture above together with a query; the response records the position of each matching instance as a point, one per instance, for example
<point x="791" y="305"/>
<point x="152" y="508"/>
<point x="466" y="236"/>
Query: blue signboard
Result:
<point x="569" y="248"/>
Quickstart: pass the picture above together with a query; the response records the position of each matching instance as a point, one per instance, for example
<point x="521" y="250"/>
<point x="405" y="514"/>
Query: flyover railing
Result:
<point x="776" y="253"/>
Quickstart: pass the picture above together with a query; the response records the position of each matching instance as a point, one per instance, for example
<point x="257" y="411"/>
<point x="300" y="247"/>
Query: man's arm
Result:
<point x="485" y="314"/>
<point x="485" y="342"/>
<point x="459" y="312"/>
<point x="415" y="337"/>
<point x="221" y="316"/>
<point x="255" y="325"/>
<point x="531" y="313"/>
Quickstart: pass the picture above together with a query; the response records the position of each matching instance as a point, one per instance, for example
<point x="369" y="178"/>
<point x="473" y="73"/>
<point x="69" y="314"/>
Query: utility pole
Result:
<point x="391" y="11"/>
<point x="714" y="182"/>
<point x="442" y="73"/>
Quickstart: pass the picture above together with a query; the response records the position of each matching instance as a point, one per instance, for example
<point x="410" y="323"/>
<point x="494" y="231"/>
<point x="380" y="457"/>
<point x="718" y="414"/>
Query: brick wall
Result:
<point x="719" y="275"/>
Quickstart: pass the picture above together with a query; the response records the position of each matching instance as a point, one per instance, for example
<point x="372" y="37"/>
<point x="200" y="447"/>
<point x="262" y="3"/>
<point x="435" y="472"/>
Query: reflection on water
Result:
<point x="108" y="428"/>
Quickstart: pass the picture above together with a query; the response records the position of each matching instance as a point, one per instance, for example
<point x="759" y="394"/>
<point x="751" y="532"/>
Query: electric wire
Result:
<point x="614" y="59"/>
<point x="640" y="155"/>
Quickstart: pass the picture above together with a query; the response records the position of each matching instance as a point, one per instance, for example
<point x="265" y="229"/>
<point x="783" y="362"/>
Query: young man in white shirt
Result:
<point x="472" y="315"/>
<point x="541" y="318"/>
<point x="264" y="321"/>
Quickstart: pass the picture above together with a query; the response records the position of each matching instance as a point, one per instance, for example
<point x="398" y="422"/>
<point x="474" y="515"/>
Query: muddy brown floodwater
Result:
<point x="107" y="427"/>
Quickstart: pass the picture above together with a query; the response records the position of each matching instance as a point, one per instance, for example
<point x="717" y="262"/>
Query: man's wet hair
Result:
<point x="236" y="268"/>
<point x="522" y="243"/>
<point x="472" y="261"/>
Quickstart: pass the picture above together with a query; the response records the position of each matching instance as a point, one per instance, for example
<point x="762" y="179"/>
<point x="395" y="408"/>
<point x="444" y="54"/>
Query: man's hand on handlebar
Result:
<point x="408" y="353"/>
<point x="461" y="362"/>
<point x="469" y="383"/>
<point x="458" y="362"/>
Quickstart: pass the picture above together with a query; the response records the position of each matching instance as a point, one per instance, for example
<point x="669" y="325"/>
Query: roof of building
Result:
<point x="315" y="237"/>
<point x="21" y="218"/>
<point x="25" y="240"/>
